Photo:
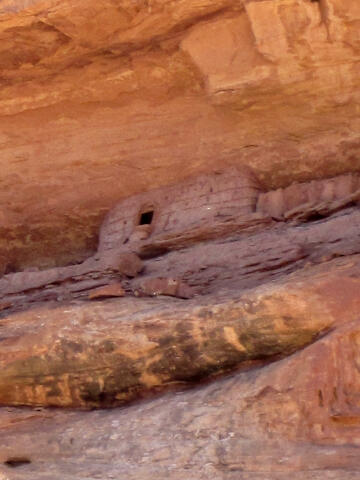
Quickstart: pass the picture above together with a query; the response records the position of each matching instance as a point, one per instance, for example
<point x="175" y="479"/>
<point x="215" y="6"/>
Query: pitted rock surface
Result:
<point x="101" y="100"/>
<point x="297" y="417"/>
<point x="106" y="108"/>
<point x="87" y="355"/>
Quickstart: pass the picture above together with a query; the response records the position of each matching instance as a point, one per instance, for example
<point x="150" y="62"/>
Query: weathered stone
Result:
<point x="223" y="243"/>
<point x="5" y="305"/>
<point x="113" y="290"/>
<point x="126" y="263"/>
<point x="110" y="353"/>
<point x="141" y="232"/>
<point x="297" y="417"/>
<point x="30" y="287"/>
<point x="302" y="200"/>
<point x="102" y="100"/>
<point x="273" y="85"/>
<point x="152" y="287"/>
<point x="195" y="202"/>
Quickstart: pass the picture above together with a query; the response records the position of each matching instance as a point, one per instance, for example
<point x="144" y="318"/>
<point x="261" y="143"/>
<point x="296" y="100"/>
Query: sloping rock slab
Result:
<point x="298" y="416"/>
<point x="100" y="355"/>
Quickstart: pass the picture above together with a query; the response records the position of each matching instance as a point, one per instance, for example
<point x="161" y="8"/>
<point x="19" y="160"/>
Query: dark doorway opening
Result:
<point x="14" y="462"/>
<point x="146" y="218"/>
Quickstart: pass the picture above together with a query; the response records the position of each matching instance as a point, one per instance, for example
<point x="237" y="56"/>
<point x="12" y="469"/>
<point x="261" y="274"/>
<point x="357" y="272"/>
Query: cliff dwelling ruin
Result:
<point x="179" y="239"/>
<point x="201" y="235"/>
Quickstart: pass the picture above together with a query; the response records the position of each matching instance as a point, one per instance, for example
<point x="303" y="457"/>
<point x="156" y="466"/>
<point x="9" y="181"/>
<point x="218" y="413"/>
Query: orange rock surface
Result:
<point x="297" y="417"/>
<point x="103" y="99"/>
<point x="99" y="100"/>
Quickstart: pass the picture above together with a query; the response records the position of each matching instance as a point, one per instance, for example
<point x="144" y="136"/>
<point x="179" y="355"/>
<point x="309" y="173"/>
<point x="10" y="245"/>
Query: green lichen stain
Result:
<point x="78" y="374"/>
<point x="114" y="385"/>
<point x="93" y="379"/>
<point x="185" y="358"/>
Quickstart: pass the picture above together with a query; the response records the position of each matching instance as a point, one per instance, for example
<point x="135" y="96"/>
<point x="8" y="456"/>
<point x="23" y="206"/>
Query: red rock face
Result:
<point x="298" y="416"/>
<point x="99" y="101"/>
<point x="111" y="290"/>
<point x="103" y="100"/>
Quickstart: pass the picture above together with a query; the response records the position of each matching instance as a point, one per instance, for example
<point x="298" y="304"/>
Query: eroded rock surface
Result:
<point x="298" y="416"/>
<point x="98" y="356"/>
<point x="100" y="100"/>
<point x="203" y="234"/>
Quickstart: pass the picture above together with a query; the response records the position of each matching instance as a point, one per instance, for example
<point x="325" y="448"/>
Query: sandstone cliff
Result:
<point x="128" y="95"/>
<point x="245" y="364"/>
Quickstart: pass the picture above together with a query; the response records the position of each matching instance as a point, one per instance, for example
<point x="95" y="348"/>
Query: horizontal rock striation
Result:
<point x="99" y="101"/>
<point x="114" y="352"/>
<point x="107" y="354"/>
<point x="209" y="232"/>
<point x="197" y="120"/>
<point x="306" y="200"/>
<point x="297" y="417"/>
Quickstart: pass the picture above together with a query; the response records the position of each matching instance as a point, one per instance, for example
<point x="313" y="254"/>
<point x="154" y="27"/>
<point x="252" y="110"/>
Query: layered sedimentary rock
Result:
<point x="229" y="246"/>
<point x="298" y="416"/>
<point x="130" y="96"/>
<point x="206" y="233"/>
<point x="108" y="354"/>
<point x="316" y="198"/>
<point x="255" y="261"/>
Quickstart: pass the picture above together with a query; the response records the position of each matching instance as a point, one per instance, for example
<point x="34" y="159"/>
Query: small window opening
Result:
<point x="146" y="217"/>
<point x="17" y="462"/>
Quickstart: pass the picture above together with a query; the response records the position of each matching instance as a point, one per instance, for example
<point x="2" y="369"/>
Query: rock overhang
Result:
<point x="100" y="101"/>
